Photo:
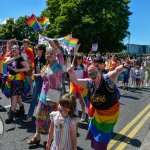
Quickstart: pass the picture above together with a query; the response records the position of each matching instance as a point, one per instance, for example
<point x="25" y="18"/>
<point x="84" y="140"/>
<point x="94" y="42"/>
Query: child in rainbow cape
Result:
<point x="101" y="99"/>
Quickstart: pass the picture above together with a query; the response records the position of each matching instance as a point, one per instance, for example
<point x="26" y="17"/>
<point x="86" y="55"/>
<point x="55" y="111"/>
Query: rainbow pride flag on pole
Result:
<point x="32" y="22"/>
<point x="73" y="42"/>
<point x="37" y="23"/>
<point x="43" y="22"/>
<point x="67" y="39"/>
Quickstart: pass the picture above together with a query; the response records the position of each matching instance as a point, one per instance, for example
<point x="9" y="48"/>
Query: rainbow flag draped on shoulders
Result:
<point x="101" y="122"/>
<point x="9" y="79"/>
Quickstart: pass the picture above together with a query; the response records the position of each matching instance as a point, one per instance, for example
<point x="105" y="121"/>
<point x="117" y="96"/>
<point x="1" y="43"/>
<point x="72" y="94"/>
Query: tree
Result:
<point x="18" y="29"/>
<point x="102" y="21"/>
<point x="21" y="30"/>
<point x="6" y="30"/>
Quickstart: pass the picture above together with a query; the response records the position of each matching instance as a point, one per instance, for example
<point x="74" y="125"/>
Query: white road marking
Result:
<point x="8" y="106"/>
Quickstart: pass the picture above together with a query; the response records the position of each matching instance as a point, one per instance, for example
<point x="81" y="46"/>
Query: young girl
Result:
<point x="63" y="129"/>
<point x="138" y="74"/>
<point x="132" y="75"/>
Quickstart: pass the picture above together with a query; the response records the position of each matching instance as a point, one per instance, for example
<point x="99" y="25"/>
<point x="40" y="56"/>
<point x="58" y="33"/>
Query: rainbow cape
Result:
<point x="101" y="122"/>
<point x="15" y="80"/>
<point x="30" y="54"/>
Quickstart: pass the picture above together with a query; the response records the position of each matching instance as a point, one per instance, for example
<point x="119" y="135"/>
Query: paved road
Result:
<point x="129" y="133"/>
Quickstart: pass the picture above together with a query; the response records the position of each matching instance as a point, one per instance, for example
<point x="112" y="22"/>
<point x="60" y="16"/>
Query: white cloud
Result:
<point x="3" y="21"/>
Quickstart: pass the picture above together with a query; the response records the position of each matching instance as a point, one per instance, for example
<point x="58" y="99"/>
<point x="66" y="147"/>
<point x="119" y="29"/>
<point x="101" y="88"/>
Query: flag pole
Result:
<point x="77" y="48"/>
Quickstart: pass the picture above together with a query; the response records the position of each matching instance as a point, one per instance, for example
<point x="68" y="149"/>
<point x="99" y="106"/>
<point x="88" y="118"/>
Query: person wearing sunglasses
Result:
<point x="99" y="63"/>
<point x="51" y="75"/>
<point x="14" y="81"/>
<point x="101" y="100"/>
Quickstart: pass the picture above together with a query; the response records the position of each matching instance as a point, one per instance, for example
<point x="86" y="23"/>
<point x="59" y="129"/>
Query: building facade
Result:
<point x="139" y="50"/>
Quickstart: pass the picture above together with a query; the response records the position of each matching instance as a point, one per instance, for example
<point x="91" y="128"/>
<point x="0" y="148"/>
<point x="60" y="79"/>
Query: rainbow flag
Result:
<point x="84" y="93"/>
<point x="43" y="22"/>
<point x="9" y="79"/>
<point x="101" y="122"/>
<point x="101" y="126"/>
<point x="37" y="23"/>
<point x="73" y="42"/>
<point x="33" y="23"/>
<point x="67" y="39"/>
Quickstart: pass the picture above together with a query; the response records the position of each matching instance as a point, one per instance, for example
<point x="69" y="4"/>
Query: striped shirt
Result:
<point x="62" y="139"/>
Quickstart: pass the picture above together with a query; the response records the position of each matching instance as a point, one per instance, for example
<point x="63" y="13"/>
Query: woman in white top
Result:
<point x="79" y="71"/>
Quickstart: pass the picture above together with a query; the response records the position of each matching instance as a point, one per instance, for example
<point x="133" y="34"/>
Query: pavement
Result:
<point x="1" y="128"/>
<point x="146" y="143"/>
<point x="18" y="133"/>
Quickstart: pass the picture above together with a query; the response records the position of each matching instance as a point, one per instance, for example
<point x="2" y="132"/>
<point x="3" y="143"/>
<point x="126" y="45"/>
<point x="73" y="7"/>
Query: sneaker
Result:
<point x="147" y="84"/>
<point x="28" y="119"/>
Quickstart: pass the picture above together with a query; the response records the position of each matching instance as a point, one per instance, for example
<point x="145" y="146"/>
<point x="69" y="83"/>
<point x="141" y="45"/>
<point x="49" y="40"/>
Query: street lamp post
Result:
<point x="128" y="42"/>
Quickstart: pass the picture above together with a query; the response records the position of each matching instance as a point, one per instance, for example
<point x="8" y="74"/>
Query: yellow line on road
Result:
<point x="124" y="130"/>
<point x="132" y="133"/>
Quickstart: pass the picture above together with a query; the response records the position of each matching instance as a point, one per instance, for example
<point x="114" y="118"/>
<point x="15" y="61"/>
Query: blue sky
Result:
<point x="18" y="8"/>
<point x="139" y="20"/>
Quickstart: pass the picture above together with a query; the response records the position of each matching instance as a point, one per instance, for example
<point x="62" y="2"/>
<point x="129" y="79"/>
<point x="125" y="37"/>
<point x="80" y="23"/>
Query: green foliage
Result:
<point x="6" y="31"/>
<point x="105" y="22"/>
<point x="102" y="21"/>
<point x="17" y="29"/>
<point x="27" y="32"/>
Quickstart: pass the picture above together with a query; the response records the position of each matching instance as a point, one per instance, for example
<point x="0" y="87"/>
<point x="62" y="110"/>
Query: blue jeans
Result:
<point x="37" y="85"/>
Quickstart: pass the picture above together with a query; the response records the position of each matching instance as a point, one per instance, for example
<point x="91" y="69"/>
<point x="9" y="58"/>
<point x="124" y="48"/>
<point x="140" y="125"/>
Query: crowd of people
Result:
<point x="42" y="72"/>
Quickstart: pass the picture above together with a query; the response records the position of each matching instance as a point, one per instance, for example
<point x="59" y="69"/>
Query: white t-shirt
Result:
<point x="79" y="72"/>
<point x="24" y="55"/>
<point x="138" y="73"/>
<point x="132" y="72"/>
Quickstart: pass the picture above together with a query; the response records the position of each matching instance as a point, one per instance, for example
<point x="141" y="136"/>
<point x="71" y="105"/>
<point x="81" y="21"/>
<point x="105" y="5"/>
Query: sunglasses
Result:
<point x="92" y="73"/>
<point x="15" y="49"/>
<point x="49" y="53"/>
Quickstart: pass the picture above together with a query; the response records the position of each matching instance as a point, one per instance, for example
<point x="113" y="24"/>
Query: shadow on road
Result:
<point x="125" y="139"/>
<point x="37" y="146"/>
<point x="2" y="109"/>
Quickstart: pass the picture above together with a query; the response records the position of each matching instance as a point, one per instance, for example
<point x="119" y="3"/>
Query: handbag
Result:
<point x="53" y="95"/>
